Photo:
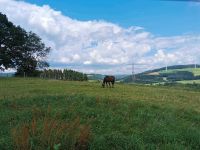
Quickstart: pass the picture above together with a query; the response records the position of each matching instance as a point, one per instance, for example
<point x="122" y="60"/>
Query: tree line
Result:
<point x="25" y="52"/>
<point x="63" y="75"/>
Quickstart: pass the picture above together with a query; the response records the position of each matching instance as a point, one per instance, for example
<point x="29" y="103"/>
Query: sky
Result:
<point x="101" y="36"/>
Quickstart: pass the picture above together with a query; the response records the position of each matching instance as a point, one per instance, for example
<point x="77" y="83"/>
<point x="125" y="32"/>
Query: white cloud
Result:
<point x="99" y="46"/>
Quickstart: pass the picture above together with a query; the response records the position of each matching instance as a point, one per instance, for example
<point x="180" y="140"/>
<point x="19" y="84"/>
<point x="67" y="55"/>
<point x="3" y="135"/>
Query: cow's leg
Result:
<point x="112" y="84"/>
<point x="103" y="85"/>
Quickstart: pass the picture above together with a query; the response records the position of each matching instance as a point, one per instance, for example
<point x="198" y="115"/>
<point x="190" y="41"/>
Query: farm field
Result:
<point x="189" y="81"/>
<point x="195" y="71"/>
<point x="50" y="114"/>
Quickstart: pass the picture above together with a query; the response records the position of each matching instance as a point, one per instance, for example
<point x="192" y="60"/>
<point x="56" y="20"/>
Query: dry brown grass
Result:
<point x="21" y="138"/>
<point x="47" y="132"/>
<point x="84" y="137"/>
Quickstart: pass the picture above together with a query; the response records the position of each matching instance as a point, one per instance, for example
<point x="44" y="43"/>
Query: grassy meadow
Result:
<point x="41" y="114"/>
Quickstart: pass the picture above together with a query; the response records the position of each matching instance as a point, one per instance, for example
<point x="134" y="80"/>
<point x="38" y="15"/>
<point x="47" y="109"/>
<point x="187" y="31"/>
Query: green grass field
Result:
<point x="189" y="82"/>
<point x="196" y="72"/>
<point x="48" y="114"/>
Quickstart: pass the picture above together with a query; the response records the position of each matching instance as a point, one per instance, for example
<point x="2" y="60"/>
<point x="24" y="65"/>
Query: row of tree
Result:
<point x="63" y="75"/>
<point x="21" y="50"/>
<point x="25" y="52"/>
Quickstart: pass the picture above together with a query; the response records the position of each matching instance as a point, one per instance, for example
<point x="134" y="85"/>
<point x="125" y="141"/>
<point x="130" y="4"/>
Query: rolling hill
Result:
<point x="171" y="74"/>
<point x="7" y="74"/>
<point x="100" y="77"/>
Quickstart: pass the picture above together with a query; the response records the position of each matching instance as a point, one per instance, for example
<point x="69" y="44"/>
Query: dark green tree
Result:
<point x="21" y="50"/>
<point x="63" y="75"/>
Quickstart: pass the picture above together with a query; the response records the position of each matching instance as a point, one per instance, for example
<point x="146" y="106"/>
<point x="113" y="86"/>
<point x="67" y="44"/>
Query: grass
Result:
<point x="124" y="117"/>
<point x="51" y="133"/>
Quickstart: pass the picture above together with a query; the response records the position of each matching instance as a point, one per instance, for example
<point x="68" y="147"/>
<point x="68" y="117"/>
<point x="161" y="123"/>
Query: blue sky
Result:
<point x="158" y="17"/>
<point x="104" y="36"/>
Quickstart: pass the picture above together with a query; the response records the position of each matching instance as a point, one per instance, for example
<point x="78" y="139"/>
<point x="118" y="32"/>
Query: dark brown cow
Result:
<point x="108" y="80"/>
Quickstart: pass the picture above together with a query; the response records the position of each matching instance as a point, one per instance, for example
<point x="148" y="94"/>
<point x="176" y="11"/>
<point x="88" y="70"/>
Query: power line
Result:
<point x="133" y="69"/>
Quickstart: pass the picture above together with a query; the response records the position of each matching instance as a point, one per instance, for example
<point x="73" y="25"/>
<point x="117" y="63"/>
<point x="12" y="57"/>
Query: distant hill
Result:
<point x="7" y="74"/>
<point x="95" y="76"/>
<point x="172" y="74"/>
<point x="100" y="77"/>
<point x="173" y="67"/>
